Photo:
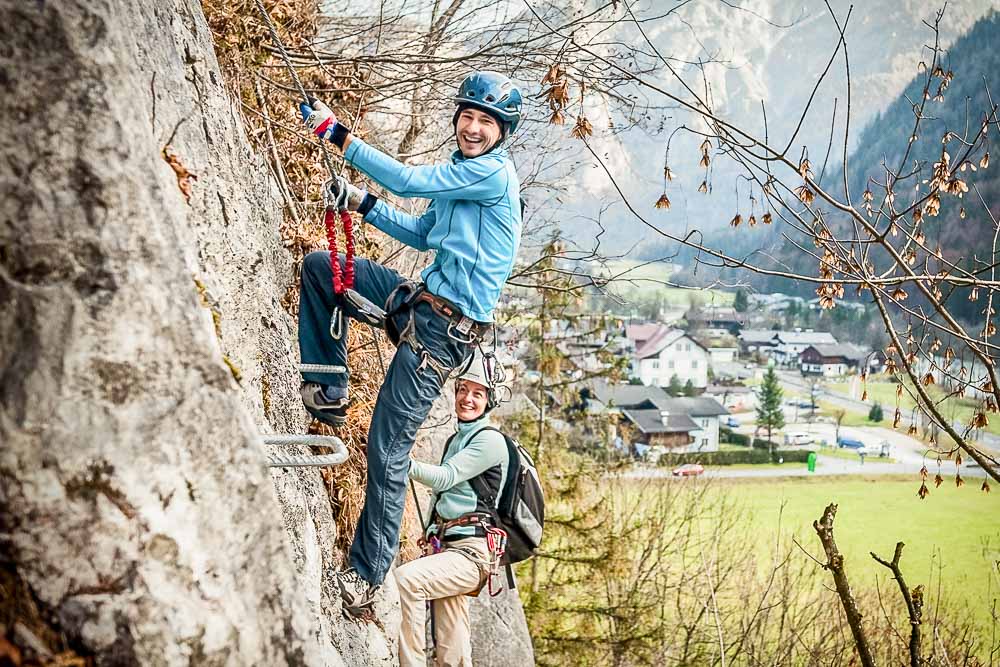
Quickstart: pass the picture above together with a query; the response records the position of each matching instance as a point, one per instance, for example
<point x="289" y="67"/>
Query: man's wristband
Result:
<point x="367" y="203"/>
<point x="340" y="134"/>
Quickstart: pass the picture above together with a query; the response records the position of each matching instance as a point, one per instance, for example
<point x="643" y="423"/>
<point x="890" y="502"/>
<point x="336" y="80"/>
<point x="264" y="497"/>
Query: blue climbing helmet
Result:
<point x="493" y="93"/>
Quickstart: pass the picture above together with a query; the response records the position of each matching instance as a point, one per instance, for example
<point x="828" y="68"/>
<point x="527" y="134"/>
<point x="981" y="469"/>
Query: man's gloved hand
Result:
<point x="319" y="118"/>
<point x="344" y="195"/>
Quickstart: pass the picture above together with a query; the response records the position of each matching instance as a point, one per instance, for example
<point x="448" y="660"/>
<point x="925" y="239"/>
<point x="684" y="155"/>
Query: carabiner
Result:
<point x="336" y="323"/>
<point x="330" y="190"/>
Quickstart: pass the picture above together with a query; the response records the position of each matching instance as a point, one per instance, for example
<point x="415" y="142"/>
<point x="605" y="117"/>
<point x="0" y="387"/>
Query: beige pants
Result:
<point x="444" y="578"/>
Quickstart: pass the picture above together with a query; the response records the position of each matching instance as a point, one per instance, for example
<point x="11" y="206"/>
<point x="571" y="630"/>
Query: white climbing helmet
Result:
<point x="484" y="370"/>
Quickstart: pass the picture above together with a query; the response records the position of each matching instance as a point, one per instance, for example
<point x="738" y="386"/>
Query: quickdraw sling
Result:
<point x="344" y="293"/>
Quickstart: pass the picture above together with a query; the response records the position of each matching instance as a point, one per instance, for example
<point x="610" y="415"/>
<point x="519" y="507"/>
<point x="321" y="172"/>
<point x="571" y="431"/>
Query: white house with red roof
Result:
<point x="662" y="352"/>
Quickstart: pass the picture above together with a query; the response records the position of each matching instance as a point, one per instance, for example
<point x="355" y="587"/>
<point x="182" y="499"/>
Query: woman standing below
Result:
<point x="457" y="560"/>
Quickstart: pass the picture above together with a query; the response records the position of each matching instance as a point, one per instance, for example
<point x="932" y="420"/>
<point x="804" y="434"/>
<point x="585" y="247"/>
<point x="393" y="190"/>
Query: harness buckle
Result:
<point x="466" y="336"/>
<point x="367" y="311"/>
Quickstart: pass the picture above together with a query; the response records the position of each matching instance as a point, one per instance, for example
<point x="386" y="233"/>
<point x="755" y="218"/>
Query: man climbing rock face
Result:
<point x="473" y="224"/>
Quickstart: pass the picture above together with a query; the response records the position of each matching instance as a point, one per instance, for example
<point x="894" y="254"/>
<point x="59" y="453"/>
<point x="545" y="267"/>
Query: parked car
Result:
<point x="849" y="443"/>
<point x="798" y="438"/>
<point x="731" y="422"/>
<point x="688" y="470"/>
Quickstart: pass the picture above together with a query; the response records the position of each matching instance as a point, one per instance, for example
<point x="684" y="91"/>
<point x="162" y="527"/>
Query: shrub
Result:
<point x="730" y="437"/>
<point x="754" y="456"/>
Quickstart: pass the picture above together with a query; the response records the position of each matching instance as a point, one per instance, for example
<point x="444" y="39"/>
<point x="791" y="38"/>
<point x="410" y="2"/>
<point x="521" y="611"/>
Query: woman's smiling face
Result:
<point x="470" y="400"/>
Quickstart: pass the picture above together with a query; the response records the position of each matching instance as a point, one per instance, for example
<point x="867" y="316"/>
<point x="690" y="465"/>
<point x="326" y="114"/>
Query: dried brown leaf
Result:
<point x="804" y="194"/>
<point x="583" y="128"/>
<point x="184" y="177"/>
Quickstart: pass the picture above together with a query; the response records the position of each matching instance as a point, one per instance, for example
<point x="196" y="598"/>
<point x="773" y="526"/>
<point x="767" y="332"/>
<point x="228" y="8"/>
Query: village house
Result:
<point x="668" y="352"/>
<point x="788" y="345"/>
<point x="660" y="428"/>
<point x="776" y="302"/>
<point x="638" y="334"/>
<point x="716" y="321"/>
<point x="603" y="397"/>
<point x="721" y="355"/>
<point x="834" y="360"/>
<point x="705" y="413"/>
<point x="756" y="340"/>
<point x="641" y="411"/>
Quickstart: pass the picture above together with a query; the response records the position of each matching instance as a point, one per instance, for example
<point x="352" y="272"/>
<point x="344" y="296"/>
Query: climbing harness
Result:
<point x="496" y="544"/>
<point x="461" y="329"/>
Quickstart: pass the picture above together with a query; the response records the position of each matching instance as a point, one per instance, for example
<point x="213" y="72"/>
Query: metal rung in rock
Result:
<point x="322" y="368"/>
<point x="296" y="460"/>
<point x="302" y="460"/>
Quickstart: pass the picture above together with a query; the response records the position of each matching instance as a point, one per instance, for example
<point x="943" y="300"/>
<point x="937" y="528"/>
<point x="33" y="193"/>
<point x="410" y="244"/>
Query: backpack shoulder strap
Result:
<point x="447" y="444"/>
<point x="477" y="483"/>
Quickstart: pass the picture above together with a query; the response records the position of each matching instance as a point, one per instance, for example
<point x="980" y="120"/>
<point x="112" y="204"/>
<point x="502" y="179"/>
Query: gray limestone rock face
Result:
<point x="134" y="502"/>
<point x="500" y="635"/>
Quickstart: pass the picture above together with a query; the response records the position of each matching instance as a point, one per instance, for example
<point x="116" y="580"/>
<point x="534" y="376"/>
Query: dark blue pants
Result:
<point x="410" y="388"/>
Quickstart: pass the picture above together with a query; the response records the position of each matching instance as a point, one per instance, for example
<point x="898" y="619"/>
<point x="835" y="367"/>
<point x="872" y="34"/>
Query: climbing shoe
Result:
<point x="327" y="404"/>
<point x="357" y="595"/>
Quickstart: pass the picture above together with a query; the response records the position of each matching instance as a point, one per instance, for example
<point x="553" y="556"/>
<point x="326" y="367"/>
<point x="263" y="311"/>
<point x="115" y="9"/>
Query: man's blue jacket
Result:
<point x="473" y="221"/>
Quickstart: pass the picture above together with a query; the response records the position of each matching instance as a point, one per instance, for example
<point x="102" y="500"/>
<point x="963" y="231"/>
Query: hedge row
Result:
<point x="732" y="457"/>
<point x="732" y="438"/>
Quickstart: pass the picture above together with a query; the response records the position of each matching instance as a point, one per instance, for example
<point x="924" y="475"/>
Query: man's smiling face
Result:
<point x="476" y="131"/>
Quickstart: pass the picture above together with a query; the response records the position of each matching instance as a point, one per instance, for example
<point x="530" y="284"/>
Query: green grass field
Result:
<point x="954" y="532"/>
<point x="642" y="280"/>
<point x="852" y="418"/>
<point x="885" y="393"/>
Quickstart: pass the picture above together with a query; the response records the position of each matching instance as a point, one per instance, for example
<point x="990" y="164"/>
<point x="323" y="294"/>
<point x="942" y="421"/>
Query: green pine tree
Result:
<point x="875" y="414"/>
<point x="740" y="303"/>
<point x="769" y="413"/>
<point x="675" y="388"/>
<point x="689" y="388"/>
